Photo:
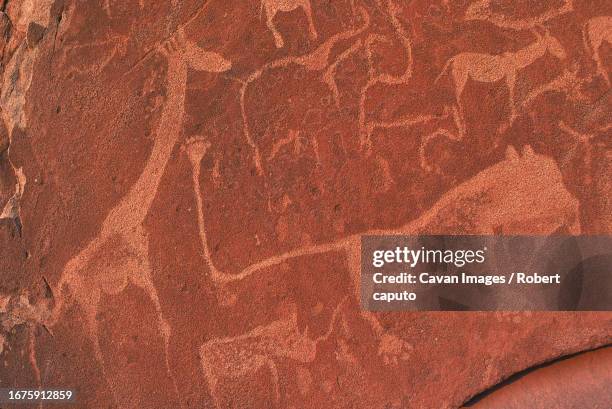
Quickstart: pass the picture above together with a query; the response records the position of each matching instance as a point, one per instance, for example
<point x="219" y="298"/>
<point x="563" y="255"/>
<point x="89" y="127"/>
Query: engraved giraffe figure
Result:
<point x="489" y="68"/>
<point x="596" y="31"/>
<point x="119" y="254"/>
<point x="272" y="7"/>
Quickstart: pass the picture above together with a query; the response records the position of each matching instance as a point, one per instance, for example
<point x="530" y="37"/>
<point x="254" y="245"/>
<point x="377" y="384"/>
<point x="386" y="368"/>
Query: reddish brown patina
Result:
<point x="183" y="185"/>
<point x="581" y="381"/>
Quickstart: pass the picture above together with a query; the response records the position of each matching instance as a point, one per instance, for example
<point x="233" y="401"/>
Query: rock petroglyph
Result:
<point x="119" y="254"/>
<point x="317" y="60"/>
<point x="185" y="185"/>
<point x="243" y="355"/>
<point x="484" y="10"/>
<point x="273" y="7"/>
<point x="597" y="31"/>
<point x="530" y="175"/>
<point x="489" y="68"/>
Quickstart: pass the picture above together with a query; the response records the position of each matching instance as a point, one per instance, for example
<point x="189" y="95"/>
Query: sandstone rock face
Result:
<point x="581" y="381"/>
<point x="183" y="185"/>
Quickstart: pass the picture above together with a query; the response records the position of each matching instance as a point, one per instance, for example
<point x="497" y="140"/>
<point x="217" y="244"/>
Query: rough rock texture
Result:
<point x="183" y="185"/>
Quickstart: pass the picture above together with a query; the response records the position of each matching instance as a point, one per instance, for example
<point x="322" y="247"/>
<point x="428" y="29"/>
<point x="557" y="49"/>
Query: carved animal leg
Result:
<point x="275" y="379"/>
<point x="142" y="279"/>
<point x="92" y="324"/>
<point x="459" y="123"/>
<point x="209" y="375"/>
<point x="511" y="83"/>
<point x="460" y="77"/>
<point x="87" y="297"/>
<point x="278" y="38"/>
<point x="311" y="26"/>
<point x="88" y="302"/>
<point x="601" y="69"/>
<point x="401" y="348"/>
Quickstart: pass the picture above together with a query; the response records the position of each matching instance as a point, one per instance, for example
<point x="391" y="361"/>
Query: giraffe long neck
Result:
<point x="135" y="205"/>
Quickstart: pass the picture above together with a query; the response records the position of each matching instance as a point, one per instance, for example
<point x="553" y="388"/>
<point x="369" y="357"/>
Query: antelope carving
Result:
<point x="489" y="68"/>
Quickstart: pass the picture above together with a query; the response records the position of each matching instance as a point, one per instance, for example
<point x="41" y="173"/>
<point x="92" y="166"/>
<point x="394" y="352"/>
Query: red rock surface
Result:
<point x="183" y="185"/>
<point x="582" y="381"/>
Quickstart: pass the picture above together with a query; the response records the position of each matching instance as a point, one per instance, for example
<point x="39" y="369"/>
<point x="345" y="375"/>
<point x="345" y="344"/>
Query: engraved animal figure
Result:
<point x="317" y="60"/>
<point x="244" y="355"/>
<point x="568" y="83"/>
<point x="518" y="195"/>
<point x="483" y="11"/>
<point x="365" y="128"/>
<point x="595" y="32"/>
<point x="489" y="68"/>
<point x="444" y="132"/>
<point x="440" y="131"/>
<point x="272" y="7"/>
<point x="119" y="254"/>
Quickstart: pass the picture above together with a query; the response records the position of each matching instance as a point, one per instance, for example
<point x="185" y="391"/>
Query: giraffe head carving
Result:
<point x="208" y="61"/>
<point x="193" y="55"/>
